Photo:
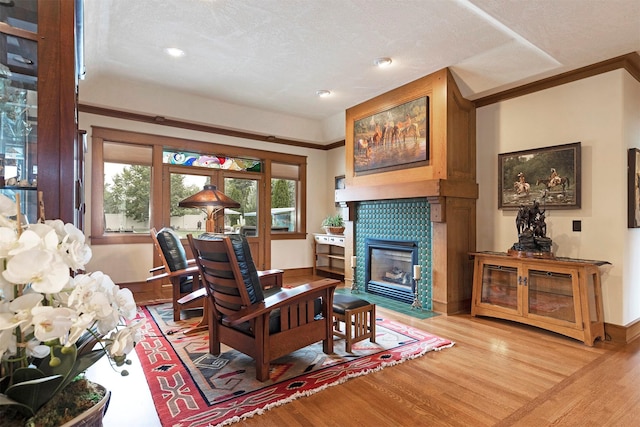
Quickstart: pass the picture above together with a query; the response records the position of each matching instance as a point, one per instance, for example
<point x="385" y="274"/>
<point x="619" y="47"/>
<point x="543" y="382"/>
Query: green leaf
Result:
<point x="35" y="393"/>
<point x="82" y="364"/>
<point x="67" y="360"/>
<point x="87" y="341"/>
<point x="23" y="409"/>
<point x="27" y="374"/>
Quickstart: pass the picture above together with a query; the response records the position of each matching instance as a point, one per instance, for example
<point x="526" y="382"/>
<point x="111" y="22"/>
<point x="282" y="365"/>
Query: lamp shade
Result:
<point x="210" y="196"/>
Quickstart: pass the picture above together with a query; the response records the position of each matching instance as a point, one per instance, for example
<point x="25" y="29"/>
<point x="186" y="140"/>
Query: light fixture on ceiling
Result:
<point x="382" y="62"/>
<point x="174" y="52"/>
<point x="323" y="93"/>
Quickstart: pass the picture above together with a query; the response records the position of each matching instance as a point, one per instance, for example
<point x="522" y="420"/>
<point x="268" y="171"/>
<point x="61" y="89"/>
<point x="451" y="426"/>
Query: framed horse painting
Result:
<point x="392" y="139"/>
<point x="549" y="175"/>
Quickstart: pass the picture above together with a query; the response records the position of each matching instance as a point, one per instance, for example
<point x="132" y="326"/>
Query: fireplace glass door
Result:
<point x="390" y="269"/>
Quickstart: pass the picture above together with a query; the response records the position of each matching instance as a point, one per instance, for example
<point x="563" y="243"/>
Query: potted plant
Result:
<point x="333" y="224"/>
<point x="54" y="321"/>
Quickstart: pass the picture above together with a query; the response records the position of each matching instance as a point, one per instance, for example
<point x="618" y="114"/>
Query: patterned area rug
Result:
<point x="191" y="387"/>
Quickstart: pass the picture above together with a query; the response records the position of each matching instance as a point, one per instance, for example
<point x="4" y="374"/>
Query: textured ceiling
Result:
<point x="275" y="54"/>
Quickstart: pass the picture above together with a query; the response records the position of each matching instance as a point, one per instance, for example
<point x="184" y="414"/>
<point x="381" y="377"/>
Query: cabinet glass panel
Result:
<point x="551" y="295"/>
<point x="18" y="121"/>
<point x="21" y="14"/>
<point x="500" y="286"/>
<point x="591" y="296"/>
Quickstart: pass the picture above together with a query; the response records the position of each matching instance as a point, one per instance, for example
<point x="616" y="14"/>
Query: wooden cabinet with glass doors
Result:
<point x="562" y="295"/>
<point x="39" y="148"/>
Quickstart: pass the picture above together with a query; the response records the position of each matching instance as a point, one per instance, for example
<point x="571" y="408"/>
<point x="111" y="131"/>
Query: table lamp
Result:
<point x="210" y="200"/>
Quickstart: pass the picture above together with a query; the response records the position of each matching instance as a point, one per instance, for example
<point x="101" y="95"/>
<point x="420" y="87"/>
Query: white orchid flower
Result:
<point x="7" y="321"/>
<point x="75" y="254"/>
<point x="123" y="341"/>
<point x="42" y="269"/>
<point x="79" y="327"/>
<point x="105" y="284"/>
<point x="7" y="341"/>
<point x="51" y="323"/>
<point x="8" y="240"/>
<point x="125" y="303"/>
<point x="84" y="286"/>
<point x="37" y="350"/>
<point x="108" y="323"/>
<point x="7" y="289"/>
<point x="7" y="206"/>
<point x="37" y="236"/>
<point x="57" y="305"/>
<point x="57" y="225"/>
<point x="20" y="311"/>
<point x="100" y="305"/>
<point x="73" y="234"/>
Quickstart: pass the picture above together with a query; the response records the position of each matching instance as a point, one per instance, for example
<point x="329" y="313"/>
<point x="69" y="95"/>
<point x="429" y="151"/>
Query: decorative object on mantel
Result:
<point x="416" y="278"/>
<point x="333" y="224"/>
<point x="532" y="230"/>
<point x="53" y="317"/>
<point x="354" y="282"/>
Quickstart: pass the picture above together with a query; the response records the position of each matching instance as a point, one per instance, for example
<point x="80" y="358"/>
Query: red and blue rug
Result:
<point x="192" y="388"/>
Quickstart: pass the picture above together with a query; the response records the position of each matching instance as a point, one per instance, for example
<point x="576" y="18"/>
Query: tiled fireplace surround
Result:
<point x="404" y="220"/>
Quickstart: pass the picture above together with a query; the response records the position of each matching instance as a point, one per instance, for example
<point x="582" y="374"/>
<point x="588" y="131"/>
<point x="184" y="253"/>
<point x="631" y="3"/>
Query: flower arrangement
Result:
<point x="55" y="321"/>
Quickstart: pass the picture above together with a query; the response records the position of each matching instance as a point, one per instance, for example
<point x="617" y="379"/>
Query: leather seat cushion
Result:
<point x="172" y="249"/>
<point x="245" y="262"/>
<point x="341" y="303"/>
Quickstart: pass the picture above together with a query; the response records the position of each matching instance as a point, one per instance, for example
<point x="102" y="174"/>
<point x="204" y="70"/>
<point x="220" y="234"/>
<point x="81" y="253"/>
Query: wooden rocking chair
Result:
<point x="242" y="318"/>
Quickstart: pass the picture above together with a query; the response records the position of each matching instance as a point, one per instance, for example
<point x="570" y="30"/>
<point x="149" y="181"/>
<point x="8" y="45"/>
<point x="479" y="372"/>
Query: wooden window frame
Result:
<point x="158" y="143"/>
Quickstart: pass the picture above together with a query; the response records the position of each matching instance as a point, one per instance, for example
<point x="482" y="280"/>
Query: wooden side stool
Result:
<point x="358" y="316"/>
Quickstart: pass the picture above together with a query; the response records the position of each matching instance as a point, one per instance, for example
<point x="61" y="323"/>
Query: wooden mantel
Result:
<point x="435" y="190"/>
<point x="448" y="182"/>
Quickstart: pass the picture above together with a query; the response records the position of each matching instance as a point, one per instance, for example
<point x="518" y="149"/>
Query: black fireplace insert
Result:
<point x="389" y="268"/>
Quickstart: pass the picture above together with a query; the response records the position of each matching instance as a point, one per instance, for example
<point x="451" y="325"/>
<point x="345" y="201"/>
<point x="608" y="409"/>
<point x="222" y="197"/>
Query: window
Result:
<point x="138" y="180"/>
<point x="185" y="220"/>
<point x="243" y="220"/>
<point x="127" y="188"/>
<point x="285" y="197"/>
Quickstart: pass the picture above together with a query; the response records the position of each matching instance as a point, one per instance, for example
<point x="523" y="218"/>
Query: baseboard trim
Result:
<point x="622" y="334"/>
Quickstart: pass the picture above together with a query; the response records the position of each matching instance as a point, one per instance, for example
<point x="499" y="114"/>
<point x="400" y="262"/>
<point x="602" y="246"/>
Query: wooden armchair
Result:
<point x="242" y="318"/>
<point x="182" y="273"/>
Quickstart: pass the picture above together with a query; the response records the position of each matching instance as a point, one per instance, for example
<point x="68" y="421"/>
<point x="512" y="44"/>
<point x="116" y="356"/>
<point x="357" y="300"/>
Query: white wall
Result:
<point x="602" y="112"/>
<point x="131" y="263"/>
<point x="631" y="249"/>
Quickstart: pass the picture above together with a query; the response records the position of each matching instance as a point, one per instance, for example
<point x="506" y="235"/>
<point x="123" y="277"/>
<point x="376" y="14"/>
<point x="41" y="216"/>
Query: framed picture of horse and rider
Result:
<point x="392" y="139"/>
<point x="549" y="175"/>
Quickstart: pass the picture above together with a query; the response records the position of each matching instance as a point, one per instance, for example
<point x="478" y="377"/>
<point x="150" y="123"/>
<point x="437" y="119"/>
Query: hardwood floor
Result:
<point x="498" y="374"/>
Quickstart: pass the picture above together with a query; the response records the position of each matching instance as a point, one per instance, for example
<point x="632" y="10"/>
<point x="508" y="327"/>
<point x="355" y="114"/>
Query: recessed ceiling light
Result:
<point x="382" y="62"/>
<point x="174" y="51"/>
<point x="323" y="93"/>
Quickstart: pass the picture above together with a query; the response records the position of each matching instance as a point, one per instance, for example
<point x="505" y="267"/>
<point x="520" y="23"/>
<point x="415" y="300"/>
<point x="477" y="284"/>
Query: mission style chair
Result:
<point x="183" y="274"/>
<point x="242" y="318"/>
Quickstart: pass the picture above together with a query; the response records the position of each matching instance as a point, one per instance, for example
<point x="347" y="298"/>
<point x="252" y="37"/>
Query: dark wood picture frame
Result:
<point x="395" y="138"/>
<point x="633" y="188"/>
<point x="549" y="175"/>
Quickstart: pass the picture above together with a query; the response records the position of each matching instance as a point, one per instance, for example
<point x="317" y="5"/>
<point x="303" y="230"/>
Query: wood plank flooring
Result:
<point x="498" y="374"/>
